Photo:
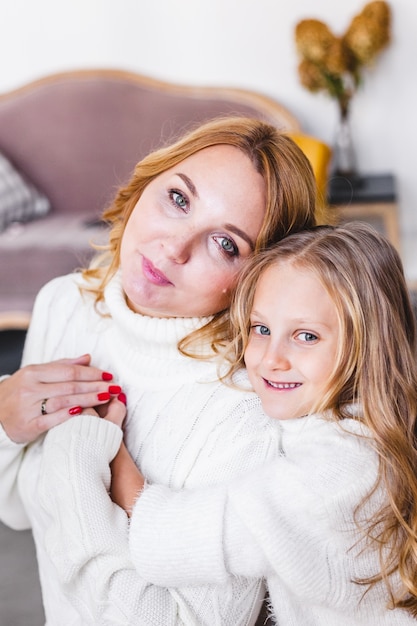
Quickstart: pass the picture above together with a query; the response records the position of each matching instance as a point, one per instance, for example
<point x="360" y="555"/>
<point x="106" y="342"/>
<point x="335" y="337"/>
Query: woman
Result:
<point x="153" y="311"/>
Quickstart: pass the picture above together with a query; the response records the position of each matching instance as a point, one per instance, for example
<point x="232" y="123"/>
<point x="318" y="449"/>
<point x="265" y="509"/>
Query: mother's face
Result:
<point x="190" y="233"/>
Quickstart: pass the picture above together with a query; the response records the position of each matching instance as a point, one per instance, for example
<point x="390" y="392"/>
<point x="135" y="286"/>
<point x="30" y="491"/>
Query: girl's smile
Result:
<point x="282" y="386"/>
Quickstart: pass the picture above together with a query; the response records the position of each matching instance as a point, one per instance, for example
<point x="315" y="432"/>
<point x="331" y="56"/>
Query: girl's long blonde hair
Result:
<point x="375" y="367"/>
<point x="291" y="197"/>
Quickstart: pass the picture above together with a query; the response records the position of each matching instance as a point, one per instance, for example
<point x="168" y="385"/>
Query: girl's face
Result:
<point x="190" y="233"/>
<point x="293" y="341"/>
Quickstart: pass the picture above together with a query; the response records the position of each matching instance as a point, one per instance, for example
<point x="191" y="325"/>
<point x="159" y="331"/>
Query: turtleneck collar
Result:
<point x="150" y="343"/>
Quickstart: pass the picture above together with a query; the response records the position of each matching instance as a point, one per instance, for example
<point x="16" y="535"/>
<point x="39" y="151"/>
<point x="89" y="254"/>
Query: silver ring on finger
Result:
<point x="43" y="406"/>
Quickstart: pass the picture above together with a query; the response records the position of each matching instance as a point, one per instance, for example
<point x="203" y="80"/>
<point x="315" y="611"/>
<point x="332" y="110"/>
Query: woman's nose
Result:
<point x="179" y="247"/>
<point x="179" y="244"/>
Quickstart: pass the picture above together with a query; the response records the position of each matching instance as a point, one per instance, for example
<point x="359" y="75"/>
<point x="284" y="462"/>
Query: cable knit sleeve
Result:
<point x="12" y="511"/>
<point x="196" y="536"/>
<point x="86" y="538"/>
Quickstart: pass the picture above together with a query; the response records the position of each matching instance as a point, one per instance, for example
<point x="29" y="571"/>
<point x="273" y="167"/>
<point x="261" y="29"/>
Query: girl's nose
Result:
<point x="276" y="357"/>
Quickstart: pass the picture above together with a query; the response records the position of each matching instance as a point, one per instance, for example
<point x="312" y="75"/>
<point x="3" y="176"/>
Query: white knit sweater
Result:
<point x="290" y="521"/>
<point x="184" y="429"/>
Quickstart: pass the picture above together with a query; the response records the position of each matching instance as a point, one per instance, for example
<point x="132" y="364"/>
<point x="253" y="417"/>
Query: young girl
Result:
<point x="181" y="229"/>
<point x="324" y="325"/>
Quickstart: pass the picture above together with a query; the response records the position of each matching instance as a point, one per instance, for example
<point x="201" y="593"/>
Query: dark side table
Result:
<point x="369" y="198"/>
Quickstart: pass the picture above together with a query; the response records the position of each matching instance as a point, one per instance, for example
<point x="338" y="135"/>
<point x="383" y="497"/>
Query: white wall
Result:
<point x="246" y="43"/>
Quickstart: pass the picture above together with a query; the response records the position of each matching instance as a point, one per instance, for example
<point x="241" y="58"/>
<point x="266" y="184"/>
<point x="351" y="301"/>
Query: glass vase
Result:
<point x="344" y="160"/>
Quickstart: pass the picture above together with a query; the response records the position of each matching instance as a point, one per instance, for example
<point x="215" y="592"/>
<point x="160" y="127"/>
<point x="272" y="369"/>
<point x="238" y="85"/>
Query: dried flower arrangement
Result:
<point x="334" y="64"/>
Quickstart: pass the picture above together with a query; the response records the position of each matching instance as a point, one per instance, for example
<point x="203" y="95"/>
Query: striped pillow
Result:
<point x="20" y="201"/>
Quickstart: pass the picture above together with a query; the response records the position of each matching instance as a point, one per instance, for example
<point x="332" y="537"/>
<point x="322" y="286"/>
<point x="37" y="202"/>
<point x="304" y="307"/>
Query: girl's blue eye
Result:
<point x="228" y="245"/>
<point x="307" y="337"/>
<point x="260" y="329"/>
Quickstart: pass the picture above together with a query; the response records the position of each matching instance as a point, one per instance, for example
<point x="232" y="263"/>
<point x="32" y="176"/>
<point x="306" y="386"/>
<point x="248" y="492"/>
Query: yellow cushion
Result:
<point x="319" y="155"/>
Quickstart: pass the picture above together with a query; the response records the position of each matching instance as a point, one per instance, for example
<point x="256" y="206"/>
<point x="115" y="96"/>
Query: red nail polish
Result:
<point x="106" y="376"/>
<point x="114" y="389"/>
<point x="75" y="410"/>
<point x="122" y="398"/>
<point x="103" y="396"/>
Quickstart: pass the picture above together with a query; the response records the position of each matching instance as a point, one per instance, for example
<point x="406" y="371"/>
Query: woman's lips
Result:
<point x="153" y="274"/>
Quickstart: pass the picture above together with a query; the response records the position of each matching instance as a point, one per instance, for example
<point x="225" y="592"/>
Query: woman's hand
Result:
<point x="38" y="397"/>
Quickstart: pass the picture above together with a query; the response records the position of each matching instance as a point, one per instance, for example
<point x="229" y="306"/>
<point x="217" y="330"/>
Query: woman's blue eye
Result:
<point x="179" y="200"/>
<point x="227" y="245"/>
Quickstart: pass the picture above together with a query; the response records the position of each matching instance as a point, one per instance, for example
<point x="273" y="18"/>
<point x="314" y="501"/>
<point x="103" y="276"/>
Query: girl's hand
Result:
<point x="114" y="411"/>
<point x="38" y="397"/>
<point x="127" y="481"/>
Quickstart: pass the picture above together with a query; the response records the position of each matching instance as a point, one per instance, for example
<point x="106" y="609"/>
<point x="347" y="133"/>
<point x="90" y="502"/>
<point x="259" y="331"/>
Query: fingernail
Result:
<point x="122" y="398"/>
<point x="75" y="410"/>
<point x="114" y="389"/>
<point x="103" y="396"/>
<point x="107" y="376"/>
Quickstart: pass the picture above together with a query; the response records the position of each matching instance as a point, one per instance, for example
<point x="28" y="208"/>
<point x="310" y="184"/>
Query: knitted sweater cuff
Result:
<point x="106" y="435"/>
<point x="84" y="522"/>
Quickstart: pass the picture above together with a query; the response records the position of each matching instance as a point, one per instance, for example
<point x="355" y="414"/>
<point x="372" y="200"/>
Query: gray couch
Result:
<point x="75" y="137"/>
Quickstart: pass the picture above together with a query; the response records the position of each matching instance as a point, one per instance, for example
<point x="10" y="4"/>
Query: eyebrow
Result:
<point x="242" y="234"/>
<point x="189" y="184"/>
<point x="235" y="229"/>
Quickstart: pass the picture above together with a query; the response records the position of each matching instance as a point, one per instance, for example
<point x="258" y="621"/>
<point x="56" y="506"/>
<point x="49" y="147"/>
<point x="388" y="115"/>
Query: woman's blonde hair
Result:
<point x="375" y="368"/>
<point x="291" y="196"/>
